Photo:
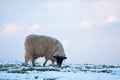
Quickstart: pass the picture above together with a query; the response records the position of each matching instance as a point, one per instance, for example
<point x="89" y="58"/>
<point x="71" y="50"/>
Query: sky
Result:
<point x="88" y="29"/>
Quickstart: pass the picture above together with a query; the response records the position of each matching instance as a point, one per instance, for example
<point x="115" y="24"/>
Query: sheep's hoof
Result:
<point x="33" y="65"/>
<point x="44" y="65"/>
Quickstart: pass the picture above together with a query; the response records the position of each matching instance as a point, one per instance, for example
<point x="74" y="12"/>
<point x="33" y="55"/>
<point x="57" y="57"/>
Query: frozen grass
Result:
<point x="19" y="68"/>
<point x="69" y="71"/>
<point x="25" y="70"/>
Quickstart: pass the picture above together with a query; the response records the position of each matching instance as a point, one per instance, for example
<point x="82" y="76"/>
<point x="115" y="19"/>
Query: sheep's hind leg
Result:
<point x="26" y="62"/>
<point x="33" y="62"/>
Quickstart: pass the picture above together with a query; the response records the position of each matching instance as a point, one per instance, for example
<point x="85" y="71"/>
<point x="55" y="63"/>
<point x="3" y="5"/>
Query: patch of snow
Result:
<point x="68" y="72"/>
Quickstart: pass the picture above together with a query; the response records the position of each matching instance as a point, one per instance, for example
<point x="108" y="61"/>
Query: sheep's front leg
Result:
<point x="45" y="63"/>
<point x="53" y="62"/>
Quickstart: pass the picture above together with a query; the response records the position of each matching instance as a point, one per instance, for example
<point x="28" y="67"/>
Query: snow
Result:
<point x="67" y="72"/>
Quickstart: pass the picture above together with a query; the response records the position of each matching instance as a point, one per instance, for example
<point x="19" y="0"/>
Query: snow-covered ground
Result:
<point x="16" y="71"/>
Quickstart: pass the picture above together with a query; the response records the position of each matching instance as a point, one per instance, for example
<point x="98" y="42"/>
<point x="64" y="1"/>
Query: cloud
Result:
<point x="9" y="30"/>
<point x="111" y="19"/>
<point x="35" y="27"/>
<point x="84" y="24"/>
<point x="105" y="4"/>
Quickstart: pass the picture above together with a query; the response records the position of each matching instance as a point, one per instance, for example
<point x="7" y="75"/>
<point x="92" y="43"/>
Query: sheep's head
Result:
<point x="59" y="60"/>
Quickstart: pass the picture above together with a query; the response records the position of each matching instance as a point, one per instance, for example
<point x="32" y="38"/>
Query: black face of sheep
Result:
<point x="59" y="60"/>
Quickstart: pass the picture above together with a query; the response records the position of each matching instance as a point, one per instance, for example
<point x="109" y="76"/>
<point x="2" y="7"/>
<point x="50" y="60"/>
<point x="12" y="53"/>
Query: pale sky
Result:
<point x="88" y="29"/>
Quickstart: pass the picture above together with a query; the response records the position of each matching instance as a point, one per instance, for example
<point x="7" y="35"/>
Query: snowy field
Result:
<point x="16" y="71"/>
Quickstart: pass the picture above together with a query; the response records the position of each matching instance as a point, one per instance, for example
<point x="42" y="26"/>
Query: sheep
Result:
<point x="43" y="46"/>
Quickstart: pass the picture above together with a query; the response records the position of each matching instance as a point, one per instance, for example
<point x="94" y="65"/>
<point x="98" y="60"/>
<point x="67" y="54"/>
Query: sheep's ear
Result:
<point x="55" y="56"/>
<point x="65" y="57"/>
<point x="60" y="57"/>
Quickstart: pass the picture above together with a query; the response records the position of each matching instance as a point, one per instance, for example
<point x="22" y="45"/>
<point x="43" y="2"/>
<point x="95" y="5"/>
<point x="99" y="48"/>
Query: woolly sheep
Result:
<point x="43" y="46"/>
